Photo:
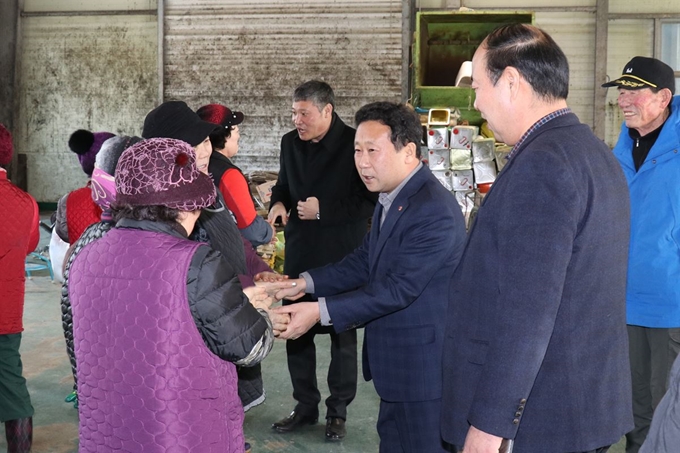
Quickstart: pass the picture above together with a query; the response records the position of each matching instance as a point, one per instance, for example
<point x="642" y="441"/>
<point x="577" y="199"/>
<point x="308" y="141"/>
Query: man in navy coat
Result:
<point x="536" y="345"/>
<point x="395" y="283"/>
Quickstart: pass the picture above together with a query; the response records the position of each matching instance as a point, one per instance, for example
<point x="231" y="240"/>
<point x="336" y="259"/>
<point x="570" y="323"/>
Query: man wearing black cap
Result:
<point x="647" y="150"/>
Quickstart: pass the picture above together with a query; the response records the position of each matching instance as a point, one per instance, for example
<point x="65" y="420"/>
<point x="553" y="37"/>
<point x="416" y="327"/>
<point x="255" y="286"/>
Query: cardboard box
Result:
<point x="264" y="191"/>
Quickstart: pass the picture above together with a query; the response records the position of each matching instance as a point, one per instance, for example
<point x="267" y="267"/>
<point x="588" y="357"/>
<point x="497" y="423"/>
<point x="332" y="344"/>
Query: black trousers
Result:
<point x="342" y="372"/>
<point x="15" y="402"/>
<point x="652" y="352"/>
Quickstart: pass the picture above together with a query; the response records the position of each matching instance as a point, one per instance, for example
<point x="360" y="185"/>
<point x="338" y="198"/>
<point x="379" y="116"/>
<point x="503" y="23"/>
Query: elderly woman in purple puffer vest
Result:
<point x="160" y="321"/>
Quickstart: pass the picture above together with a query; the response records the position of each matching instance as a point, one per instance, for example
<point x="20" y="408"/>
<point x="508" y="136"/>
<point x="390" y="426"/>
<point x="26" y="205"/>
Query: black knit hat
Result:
<point x="174" y="119"/>
<point x="645" y="72"/>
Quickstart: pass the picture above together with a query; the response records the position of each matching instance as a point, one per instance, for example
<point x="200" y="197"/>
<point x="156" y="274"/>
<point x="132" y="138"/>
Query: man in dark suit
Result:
<point x="536" y="346"/>
<point x="395" y="283"/>
<point x="325" y="208"/>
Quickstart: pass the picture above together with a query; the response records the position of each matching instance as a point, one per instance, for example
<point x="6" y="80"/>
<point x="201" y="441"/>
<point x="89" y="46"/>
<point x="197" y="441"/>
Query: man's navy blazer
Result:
<point x="395" y="284"/>
<point x="536" y="347"/>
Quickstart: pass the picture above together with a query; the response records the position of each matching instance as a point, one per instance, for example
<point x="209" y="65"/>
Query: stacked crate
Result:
<point x="462" y="160"/>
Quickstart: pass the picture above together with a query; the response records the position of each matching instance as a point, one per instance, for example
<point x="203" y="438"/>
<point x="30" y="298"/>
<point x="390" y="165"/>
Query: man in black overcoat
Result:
<point x="324" y="207"/>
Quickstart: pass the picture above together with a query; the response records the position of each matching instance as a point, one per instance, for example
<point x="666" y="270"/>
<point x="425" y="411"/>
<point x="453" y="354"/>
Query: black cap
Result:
<point x="645" y="72"/>
<point x="174" y="119"/>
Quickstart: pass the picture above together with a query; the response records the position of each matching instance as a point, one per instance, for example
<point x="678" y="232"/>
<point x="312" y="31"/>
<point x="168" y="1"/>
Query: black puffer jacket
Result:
<point x="217" y="227"/>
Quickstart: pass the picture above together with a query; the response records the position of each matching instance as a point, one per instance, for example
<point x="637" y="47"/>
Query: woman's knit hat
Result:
<point x="111" y="150"/>
<point x="162" y="171"/>
<point x="86" y="145"/>
<point x="6" y="147"/>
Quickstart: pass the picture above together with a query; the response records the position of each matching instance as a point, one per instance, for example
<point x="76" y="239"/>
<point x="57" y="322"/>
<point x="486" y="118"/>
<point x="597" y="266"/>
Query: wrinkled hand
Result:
<point x="279" y="321"/>
<point x="269" y="277"/>
<point x="308" y="209"/>
<point x="276" y="211"/>
<point x="258" y="297"/>
<point x="274" y="287"/>
<point x="294" y="291"/>
<point x="477" y="441"/>
<point x="303" y="316"/>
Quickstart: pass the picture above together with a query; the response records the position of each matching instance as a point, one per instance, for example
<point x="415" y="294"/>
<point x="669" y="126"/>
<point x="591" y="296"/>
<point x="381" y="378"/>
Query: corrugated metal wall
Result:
<point x="250" y="55"/>
<point x="96" y="72"/>
<point x="88" y="5"/>
<point x="528" y="4"/>
<point x="644" y="7"/>
<point x="80" y="65"/>
<point x="575" y="33"/>
<point x="627" y="38"/>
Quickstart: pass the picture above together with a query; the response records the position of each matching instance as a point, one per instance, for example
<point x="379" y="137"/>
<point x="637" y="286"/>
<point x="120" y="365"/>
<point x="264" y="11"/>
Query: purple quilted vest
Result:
<point x="146" y="380"/>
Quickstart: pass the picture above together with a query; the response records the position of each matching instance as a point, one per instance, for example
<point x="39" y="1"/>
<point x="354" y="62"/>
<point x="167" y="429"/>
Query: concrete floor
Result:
<point x="48" y="373"/>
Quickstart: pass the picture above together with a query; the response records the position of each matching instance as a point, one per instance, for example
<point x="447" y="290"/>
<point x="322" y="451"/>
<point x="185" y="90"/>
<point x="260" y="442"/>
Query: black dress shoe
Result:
<point x="335" y="428"/>
<point x="294" y="421"/>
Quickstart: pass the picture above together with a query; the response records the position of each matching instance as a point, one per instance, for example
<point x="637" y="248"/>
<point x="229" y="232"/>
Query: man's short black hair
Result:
<point x="400" y="118"/>
<point x="534" y="54"/>
<point x="317" y="92"/>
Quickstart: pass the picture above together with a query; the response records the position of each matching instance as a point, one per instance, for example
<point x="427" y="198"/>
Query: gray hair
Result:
<point x="317" y="92"/>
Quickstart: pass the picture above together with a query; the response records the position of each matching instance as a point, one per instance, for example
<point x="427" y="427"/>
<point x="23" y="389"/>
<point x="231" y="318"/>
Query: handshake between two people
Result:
<point x="289" y="321"/>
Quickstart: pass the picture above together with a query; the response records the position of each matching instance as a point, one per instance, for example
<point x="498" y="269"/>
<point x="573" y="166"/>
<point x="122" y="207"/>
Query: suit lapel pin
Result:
<point x="400" y="208"/>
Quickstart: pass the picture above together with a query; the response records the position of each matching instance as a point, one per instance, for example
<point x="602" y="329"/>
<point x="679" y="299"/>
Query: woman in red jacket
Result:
<point x="18" y="237"/>
<point x="229" y="178"/>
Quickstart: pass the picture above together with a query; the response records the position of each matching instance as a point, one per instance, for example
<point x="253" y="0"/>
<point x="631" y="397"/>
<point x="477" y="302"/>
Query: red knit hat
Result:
<point x="162" y="171"/>
<point x="6" y="147"/>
